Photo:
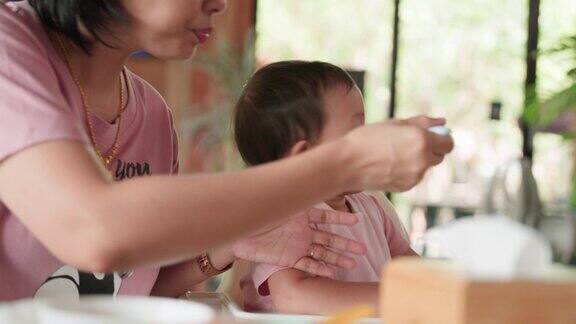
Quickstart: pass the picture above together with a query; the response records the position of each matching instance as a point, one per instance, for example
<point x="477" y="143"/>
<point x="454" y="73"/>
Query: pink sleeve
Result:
<point x="396" y="241"/>
<point x="260" y="275"/>
<point x="397" y="244"/>
<point x="32" y="107"/>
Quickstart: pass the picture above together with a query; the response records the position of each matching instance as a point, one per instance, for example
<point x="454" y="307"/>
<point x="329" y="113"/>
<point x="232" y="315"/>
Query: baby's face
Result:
<point x="343" y="111"/>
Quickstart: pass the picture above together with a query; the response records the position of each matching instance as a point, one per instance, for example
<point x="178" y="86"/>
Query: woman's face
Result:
<point x="170" y="29"/>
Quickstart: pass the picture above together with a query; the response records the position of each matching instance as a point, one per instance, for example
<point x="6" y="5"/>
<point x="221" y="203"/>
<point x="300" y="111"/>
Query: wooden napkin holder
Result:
<point x="437" y="292"/>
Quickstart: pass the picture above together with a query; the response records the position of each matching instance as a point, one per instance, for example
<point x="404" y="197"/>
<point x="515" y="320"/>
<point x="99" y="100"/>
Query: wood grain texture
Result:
<point x="418" y="291"/>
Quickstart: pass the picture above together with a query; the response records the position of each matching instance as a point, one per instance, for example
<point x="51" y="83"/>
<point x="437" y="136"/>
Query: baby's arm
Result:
<point x="293" y="291"/>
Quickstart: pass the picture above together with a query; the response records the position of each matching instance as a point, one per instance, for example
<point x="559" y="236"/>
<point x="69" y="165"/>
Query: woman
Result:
<point x="71" y="115"/>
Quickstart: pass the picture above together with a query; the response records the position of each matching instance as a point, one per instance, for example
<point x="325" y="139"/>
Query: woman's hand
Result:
<point x="394" y="155"/>
<point x="296" y="244"/>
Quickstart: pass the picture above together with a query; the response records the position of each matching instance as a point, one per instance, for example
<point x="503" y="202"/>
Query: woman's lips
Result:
<point x="202" y="34"/>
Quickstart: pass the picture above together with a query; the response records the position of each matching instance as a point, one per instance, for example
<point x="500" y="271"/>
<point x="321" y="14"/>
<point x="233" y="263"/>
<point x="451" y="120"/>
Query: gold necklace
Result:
<point x="114" y="149"/>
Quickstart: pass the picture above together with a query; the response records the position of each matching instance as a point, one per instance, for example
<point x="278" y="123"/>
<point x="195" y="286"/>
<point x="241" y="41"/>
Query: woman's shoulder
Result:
<point x="23" y="40"/>
<point x="18" y="18"/>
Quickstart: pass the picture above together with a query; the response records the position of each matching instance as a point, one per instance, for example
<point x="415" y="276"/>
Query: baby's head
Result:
<point x="290" y="106"/>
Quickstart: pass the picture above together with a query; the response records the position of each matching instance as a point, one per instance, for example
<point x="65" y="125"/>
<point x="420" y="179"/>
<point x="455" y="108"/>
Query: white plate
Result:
<point x="91" y="310"/>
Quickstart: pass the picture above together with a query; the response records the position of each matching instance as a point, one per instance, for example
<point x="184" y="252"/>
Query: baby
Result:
<point x="287" y="108"/>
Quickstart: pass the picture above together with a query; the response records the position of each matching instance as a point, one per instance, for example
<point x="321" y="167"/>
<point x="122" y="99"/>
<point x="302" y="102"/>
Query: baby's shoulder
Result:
<point x="366" y="200"/>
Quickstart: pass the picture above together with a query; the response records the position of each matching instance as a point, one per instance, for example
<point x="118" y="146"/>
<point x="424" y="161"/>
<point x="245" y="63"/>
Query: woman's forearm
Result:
<point x="158" y="219"/>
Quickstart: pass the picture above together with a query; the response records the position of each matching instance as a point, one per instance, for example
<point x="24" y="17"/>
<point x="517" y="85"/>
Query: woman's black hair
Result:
<point x="70" y="17"/>
<point x="282" y="104"/>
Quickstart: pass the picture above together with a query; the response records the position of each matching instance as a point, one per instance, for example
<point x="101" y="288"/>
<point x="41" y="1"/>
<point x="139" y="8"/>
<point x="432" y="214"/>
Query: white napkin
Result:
<point x="491" y="247"/>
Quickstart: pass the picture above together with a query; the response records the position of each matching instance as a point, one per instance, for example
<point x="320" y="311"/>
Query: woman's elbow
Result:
<point x="93" y="259"/>
<point x="90" y="248"/>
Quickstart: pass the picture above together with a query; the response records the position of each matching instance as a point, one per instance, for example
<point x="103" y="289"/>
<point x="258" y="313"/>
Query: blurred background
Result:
<point x="503" y="73"/>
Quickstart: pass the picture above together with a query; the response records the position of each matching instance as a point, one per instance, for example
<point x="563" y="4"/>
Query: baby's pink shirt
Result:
<point x="375" y="228"/>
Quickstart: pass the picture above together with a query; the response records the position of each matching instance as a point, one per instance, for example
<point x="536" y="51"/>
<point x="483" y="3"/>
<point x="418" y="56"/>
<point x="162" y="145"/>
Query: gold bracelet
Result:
<point x="207" y="268"/>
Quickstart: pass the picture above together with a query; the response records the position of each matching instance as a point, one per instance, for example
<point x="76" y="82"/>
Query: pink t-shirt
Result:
<point x="375" y="228"/>
<point x="39" y="103"/>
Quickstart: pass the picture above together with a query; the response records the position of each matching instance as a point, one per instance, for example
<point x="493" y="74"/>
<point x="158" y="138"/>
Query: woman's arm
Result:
<point x="296" y="292"/>
<point x="86" y="220"/>
<point x="58" y="192"/>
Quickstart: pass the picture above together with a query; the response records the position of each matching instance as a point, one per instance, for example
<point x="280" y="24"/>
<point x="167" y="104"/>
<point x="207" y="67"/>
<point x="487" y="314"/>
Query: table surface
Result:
<point x="229" y="312"/>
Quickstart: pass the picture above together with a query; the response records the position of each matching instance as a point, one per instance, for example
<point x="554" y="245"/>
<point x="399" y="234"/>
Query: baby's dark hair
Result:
<point x="282" y="104"/>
